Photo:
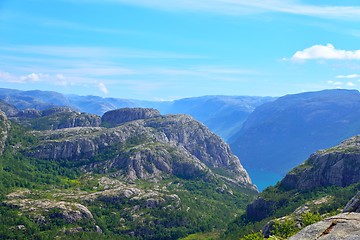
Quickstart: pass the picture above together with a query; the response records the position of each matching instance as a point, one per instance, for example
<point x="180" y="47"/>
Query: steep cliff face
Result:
<point x="146" y="149"/>
<point x="122" y="115"/>
<point x="354" y="204"/>
<point x="280" y="135"/>
<point x="339" y="166"/>
<point x="4" y="126"/>
<point x="321" y="185"/>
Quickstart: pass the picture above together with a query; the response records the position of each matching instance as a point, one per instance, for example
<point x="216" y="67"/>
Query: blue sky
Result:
<point x="163" y="50"/>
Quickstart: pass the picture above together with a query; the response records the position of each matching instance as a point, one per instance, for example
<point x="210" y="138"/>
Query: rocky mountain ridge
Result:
<point x="315" y="191"/>
<point x="148" y="146"/>
<point x="139" y="176"/>
<point x="336" y="166"/>
<point x="224" y="115"/>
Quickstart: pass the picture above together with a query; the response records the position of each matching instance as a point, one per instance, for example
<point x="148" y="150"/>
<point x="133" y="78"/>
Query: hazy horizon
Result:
<point x="157" y="50"/>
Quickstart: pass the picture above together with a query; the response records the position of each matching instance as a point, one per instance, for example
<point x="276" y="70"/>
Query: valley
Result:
<point x="136" y="173"/>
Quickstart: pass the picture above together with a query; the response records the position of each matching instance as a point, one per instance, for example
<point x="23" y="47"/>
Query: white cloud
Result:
<point x="349" y="76"/>
<point x="327" y="52"/>
<point x="350" y="84"/>
<point x="101" y="86"/>
<point x="32" y="77"/>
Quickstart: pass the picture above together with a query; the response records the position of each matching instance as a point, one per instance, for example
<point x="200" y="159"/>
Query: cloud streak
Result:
<point x="325" y="52"/>
<point x="349" y="76"/>
<point x="241" y="7"/>
<point x="95" y="52"/>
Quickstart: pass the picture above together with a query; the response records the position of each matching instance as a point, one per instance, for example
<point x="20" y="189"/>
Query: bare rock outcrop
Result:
<point x="55" y="118"/>
<point x="44" y="210"/>
<point x="123" y="115"/>
<point x="4" y="126"/>
<point x="344" y="226"/>
<point x="353" y="205"/>
<point x="338" y="166"/>
<point x="146" y="149"/>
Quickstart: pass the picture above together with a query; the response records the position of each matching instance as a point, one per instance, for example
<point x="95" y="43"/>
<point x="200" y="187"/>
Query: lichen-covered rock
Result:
<point x="123" y="115"/>
<point x="344" y="226"/>
<point x="339" y="166"/>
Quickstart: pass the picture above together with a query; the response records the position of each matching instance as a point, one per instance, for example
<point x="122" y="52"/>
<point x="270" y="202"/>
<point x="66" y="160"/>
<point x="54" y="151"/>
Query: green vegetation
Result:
<point x="284" y="229"/>
<point x="253" y="236"/>
<point x="117" y="217"/>
<point x="284" y="203"/>
<point x="310" y="218"/>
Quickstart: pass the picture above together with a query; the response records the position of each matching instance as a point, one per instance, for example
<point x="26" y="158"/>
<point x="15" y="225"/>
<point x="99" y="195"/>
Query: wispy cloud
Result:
<point x="101" y="86"/>
<point x="339" y="84"/>
<point x="349" y="76"/>
<point x="95" y="52"/>
<point x="240" y="7"/>
<point x="101" y="67"/>
<point x="325" y="52"/>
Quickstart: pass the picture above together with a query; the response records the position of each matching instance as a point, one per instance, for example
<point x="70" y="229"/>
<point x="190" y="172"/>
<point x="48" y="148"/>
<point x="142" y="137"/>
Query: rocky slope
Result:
<point x="316" y="189"/>
<point x="342" y="226"/>
<point x="280" y="134"/>
<point x="51" y="119"/>
<point x="145" y="148"/>
<point x="4" y="125"/>
<point x="148" y="177"/>
<point x="337" y="166"/>
<point x="123" y="115"/>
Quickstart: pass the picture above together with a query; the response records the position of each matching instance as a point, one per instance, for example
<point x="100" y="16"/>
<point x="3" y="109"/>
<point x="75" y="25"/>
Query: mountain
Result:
<point x="316" y="190"/>
<point x="280" y="134"/>
<point x="336" y="166"/>
<point x="224" y="115"/>
<point x="133" y="174"/>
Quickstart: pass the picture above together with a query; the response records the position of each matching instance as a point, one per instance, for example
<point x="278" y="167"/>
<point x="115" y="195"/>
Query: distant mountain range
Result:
<point x="224" y="115"/>
<point x="136" y="173"/>
<point x="269" y="135"/>
<point x="281" y="134"/>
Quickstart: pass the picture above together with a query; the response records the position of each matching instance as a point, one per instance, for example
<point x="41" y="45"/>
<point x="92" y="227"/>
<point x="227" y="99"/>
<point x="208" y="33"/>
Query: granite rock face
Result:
<point x="55" y="118"/>
<point x="344" y="226"/>
<point x="123" y="115"/>
<point x="339" y="166"/>
<point x="353" y="205"/>
<point x="146" y="149"/>
<point x="4" y="126"/>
